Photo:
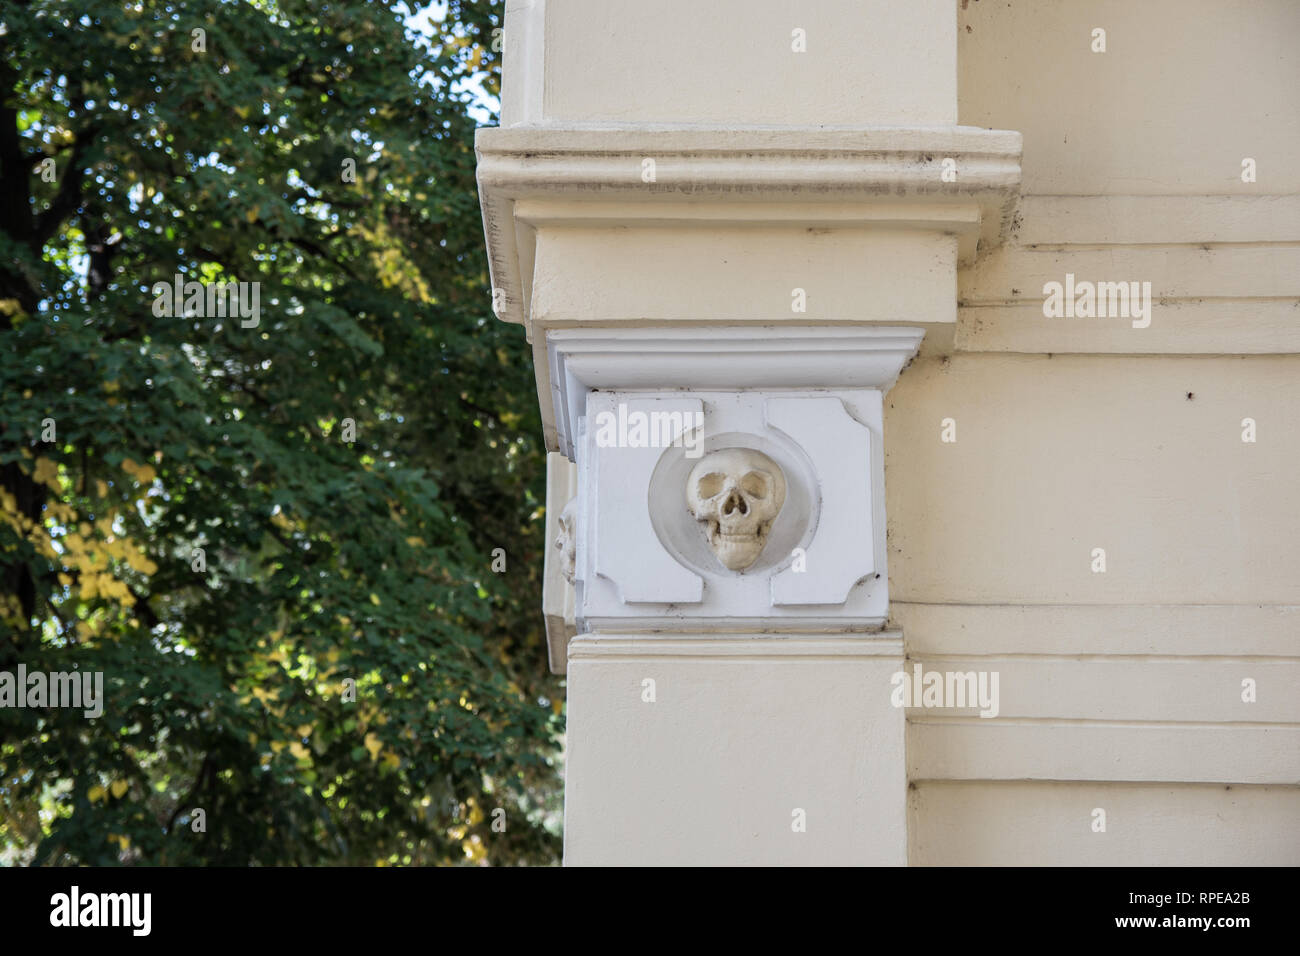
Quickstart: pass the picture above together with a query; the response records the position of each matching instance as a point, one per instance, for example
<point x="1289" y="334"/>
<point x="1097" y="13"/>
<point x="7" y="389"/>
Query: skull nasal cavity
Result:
<point x="735" y="502"/>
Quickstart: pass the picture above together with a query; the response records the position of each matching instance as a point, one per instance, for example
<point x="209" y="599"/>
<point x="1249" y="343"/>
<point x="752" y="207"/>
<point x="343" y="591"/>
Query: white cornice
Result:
<point x="875" y="176"/>
<point x="717" y="358"/>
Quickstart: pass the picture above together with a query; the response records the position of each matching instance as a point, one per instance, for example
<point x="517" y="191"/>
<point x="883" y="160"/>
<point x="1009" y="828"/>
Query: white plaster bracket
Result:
<point x="810" y="399"/>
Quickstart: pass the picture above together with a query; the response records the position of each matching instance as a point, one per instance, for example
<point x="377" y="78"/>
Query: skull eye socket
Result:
<point x="711" y="484"/>
<point x="755" y="484"/>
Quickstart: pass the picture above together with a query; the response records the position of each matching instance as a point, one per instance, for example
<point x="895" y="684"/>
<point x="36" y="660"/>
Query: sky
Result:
<point x="426" y="20"/>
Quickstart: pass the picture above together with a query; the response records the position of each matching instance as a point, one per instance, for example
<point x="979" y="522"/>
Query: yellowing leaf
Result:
<point x="46" y="472"/>
<point x="374" y="599"/>
<point x="299" y="751"/>
<point x="474" y="849"/>
<point x="374" y="745"/>
<point x="118" y="787"/>
<point x="97" y="793"/>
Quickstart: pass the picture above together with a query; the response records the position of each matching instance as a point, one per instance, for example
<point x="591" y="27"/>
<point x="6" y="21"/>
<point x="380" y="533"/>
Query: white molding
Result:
<point x="872" y="176"/>
<point x="749" y="646"/>
<point x="718" y="358"/>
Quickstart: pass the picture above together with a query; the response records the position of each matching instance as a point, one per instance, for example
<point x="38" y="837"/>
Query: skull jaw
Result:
<point x="737" y="551"/>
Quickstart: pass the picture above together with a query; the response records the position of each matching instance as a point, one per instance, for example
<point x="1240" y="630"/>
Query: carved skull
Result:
<point x="566" y="541"/>
<point x="736" y="494"/>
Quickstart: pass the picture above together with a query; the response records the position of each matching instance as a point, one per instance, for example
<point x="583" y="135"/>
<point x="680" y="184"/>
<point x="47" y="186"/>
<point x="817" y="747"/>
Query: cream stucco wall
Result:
<point x="1120" y="690"/>
<point x="682" y="61"/>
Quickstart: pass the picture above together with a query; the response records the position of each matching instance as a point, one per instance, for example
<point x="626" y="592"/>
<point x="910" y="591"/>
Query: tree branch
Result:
<point x="68" y="198"/>
<point x="205" y="768"/>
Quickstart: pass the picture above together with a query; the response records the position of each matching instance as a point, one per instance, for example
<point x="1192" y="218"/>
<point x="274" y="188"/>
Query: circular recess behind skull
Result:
<point x="736" y="494"/>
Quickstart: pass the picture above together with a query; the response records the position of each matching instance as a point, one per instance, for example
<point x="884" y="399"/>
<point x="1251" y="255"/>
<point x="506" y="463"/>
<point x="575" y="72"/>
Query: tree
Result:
<point x="242" y="511"/>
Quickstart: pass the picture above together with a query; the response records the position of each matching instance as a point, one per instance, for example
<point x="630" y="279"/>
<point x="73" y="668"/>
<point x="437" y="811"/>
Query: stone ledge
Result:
<point x="751" y="646"/>
<point x="710" y="357"/>
<point x="872" y="176"/>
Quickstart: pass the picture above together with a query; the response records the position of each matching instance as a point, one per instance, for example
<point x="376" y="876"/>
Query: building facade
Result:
<point x="922" y="382"/>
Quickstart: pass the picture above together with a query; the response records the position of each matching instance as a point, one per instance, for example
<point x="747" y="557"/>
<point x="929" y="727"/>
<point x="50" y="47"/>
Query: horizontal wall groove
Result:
<point x="1016" y="605"/>
<point x="1101" y="782"/>
<point x="1116" y="658"/>
<point x="937" y="720"/>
